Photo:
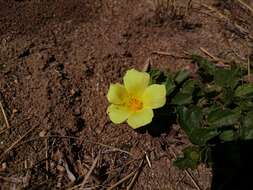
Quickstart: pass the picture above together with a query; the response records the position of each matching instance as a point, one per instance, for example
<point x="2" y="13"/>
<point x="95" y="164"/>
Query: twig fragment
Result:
<point x="17" y="141"/>
<point x="246" y="5"/>
<point x="147" y="65"/>
<point x="78" y="138"/>
<point x="122" y="180"/>
<point x="3" y="131"/>
<point x="170" y="54"/>
<point x="46" y="155"/>
<point x="90" y="171"/>
<point x="225" y="18"/>
<point x="219" y="62"/>
<point x="188" y="173"/>
<point x="135" y="175"/>
<point x="209" y="54"/>
<point x="11" y="180"/>
<point x="148" y="161"/>
<point x="85" y="180"/>
<point x="5" y="117"/>
<point x="214" y="10"/>
<point x="70" y="175"/>
<point x="192" y="179"/>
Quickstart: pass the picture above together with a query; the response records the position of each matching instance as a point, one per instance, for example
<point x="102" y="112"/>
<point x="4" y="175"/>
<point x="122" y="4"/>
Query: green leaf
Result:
<point x="184" y="97"/>
<point x="190" y="121"/>
<point x="170" y="85"/>
<point x="228" y="135"/>
<point x="246" y="130"/>
<point x="223" y="117"/>
<point x="200" y="136"/>
<point x="227" y="77"/>
<point x="189" y="86"/>
<point x="181" y="76"/>
<point x="189" y="118"/>
<point x="155" y="74"/>
<point x="206" y="156"/>
<point x="212" y="88"/>
<point x="210" y="109"/>
<point x="204" y="64"/>
<point x="211" y="91"/>
<point x="227" y="96"/>
<point x="191" y="158"/>
<point x="245" y="105"/>
<point x="181" y="99"/>
<point x="244" y="90"/>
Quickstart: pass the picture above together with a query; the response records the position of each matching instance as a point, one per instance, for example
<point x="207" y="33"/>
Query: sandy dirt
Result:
<point x="57" y="59"/>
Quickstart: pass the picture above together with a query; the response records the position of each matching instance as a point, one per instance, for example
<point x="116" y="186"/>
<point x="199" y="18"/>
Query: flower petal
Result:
<point x="154" y="96"/>
<point x="140" y="118"/>
<point x="118" y="114"/>
<point x="116" y="94"/>
<point x="136" y="82"/>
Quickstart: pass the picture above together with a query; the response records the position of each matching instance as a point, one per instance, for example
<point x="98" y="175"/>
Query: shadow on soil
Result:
<point x="233" y="166"/>
<point x="161" y="123"/>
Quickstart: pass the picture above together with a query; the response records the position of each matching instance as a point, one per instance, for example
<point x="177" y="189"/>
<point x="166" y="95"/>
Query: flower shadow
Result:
<point x="232" y="166"/>
<point x="163" y="119"/>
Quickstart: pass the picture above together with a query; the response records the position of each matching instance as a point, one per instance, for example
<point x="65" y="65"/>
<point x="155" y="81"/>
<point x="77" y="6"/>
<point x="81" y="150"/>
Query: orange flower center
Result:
<point x="135" y="104"/>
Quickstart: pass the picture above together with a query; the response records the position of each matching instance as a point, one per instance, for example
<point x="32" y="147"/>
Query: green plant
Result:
<point x="213" y="109"/>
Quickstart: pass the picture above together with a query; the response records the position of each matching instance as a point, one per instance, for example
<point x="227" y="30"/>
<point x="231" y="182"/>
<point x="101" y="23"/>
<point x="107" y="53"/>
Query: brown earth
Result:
<point x="57" y="59"/>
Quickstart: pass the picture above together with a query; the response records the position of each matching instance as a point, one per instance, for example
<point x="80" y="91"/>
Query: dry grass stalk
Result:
<point x="136" y="174"/>
<point x="122" y="180"/>
<point x="11" y="180"/>
<point x="86" y="178"/>
<point x="209" y="54"/>
<point x="148" y="161"/>
<point x="246" y="5"/>
<point x="170" y="8"/>
<point x="4" y="115"/>
<point x="90" y="171"/>
<point x="188" y="55"/>
<point x="16" y="142"/>
<point x="219" y="62"/>
<point x="188" y="173"/>
<point x="78" y="138"/>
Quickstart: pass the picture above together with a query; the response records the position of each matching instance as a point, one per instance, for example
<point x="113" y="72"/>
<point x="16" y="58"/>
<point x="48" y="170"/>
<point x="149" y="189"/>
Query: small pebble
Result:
<point x="3" y="167"/>
<point x="60" y="168"/>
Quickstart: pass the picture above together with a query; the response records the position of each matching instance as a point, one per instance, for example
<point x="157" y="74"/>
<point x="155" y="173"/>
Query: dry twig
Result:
<point x="122" y="180"/>
<point x="226" y="18"/>
<point x="188" y="173"/>
<point x="70" y="175"/>
<point x="5" y="117"/>
<point x="148" y="161"/>
<point x="46" y="155"/>
<point x="17" y="141"/>
<point x="90" y="171"/>
<point x="11" y="180"/>
<point x="222" y="16"/>
<point x="135" y="175"/>
<point x="85" y="180"/>
<point x="171" y="55"/>
<point x="209" y="54"/>
<point x="219" y="62"/>
<point x="78" y="138"/>
<point x="246" y="5"/>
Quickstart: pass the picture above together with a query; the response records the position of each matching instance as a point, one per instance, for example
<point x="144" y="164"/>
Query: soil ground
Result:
<point x="57" y="59"/>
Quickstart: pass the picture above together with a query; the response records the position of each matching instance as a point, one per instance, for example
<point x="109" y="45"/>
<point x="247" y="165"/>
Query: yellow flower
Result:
<point x="135" y="100"/>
